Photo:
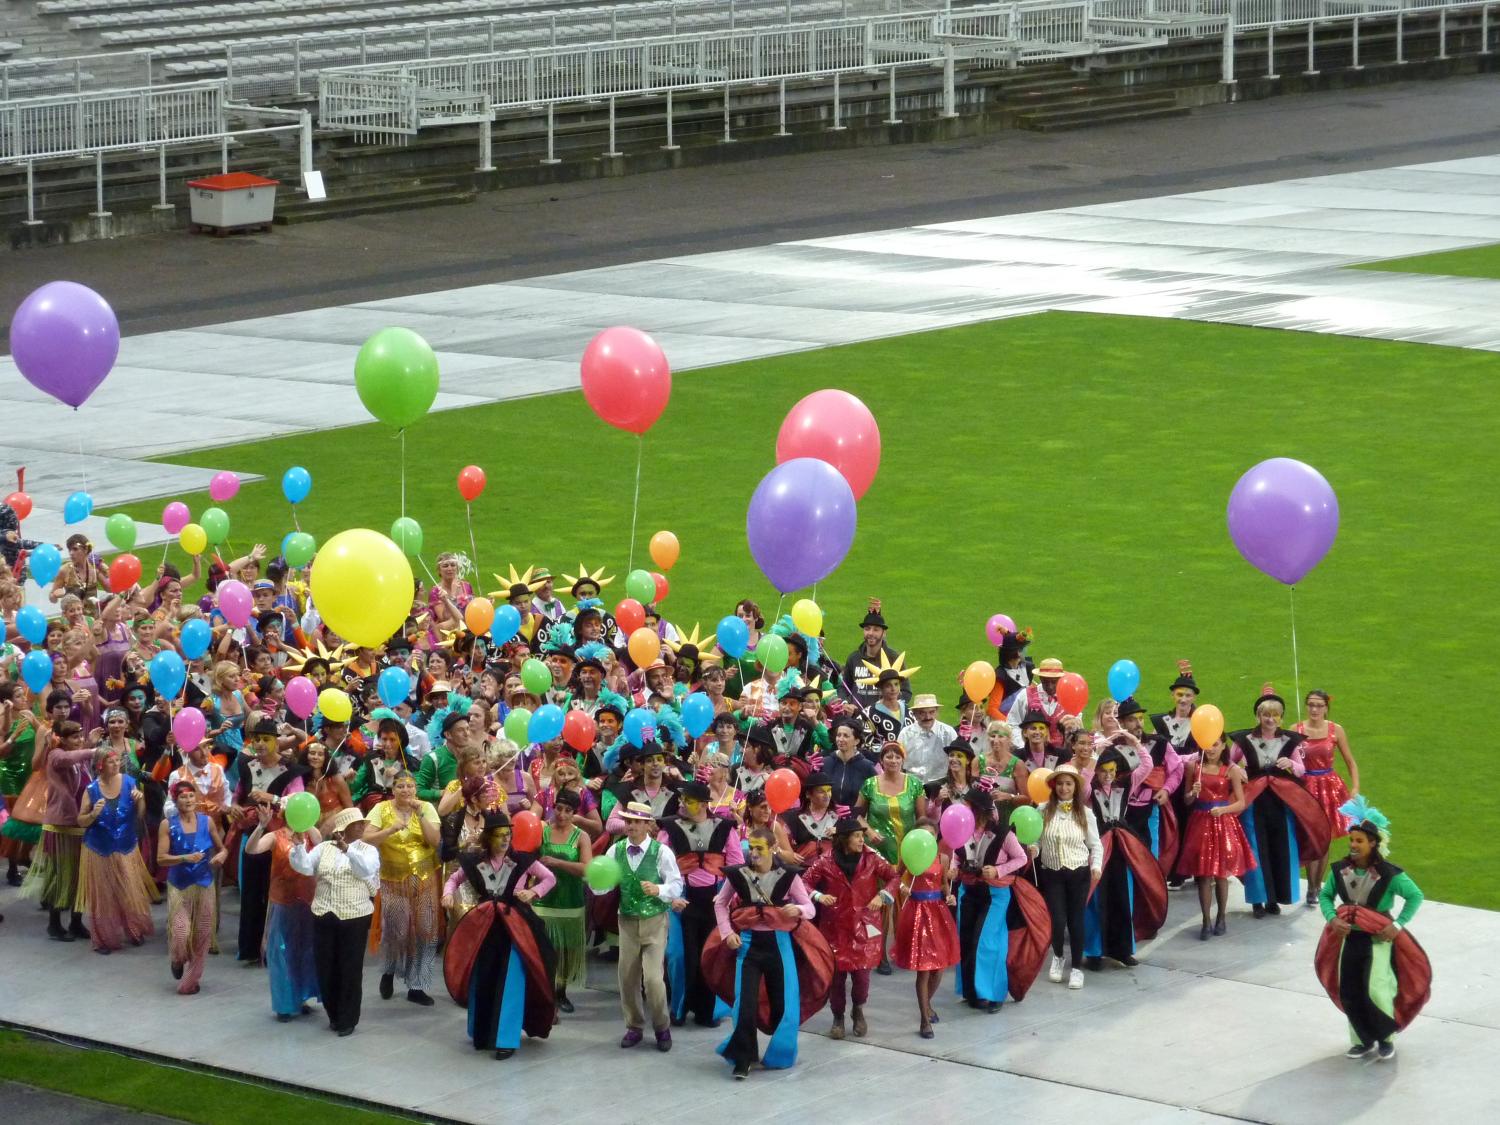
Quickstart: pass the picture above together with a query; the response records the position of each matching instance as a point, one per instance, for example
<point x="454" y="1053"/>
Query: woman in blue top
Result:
<point x="189" y="846"/>
<point x="114" y="886"/>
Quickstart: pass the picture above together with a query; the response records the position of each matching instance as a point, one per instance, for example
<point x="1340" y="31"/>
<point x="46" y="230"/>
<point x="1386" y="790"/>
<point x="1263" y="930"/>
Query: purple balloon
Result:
<point x="1283" y="517"/>
<point x="64" y="339"/>
<point x="801" y="523"/>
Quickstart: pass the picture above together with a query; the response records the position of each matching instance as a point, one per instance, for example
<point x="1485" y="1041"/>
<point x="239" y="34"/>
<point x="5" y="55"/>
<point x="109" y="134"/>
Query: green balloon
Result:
<point x="300" y="548"/>
<point x="302" y="811"/>
<point x="215" y="524"/>
<point x="602" y="873"/>
<point x="396" y="375"/>
<point x="516" y="725"/>
<point x="406" y="533"/>
<point x="641" y="586"/>
<point x="119" y="529"/>
<point x="919" y="848"/>
<point x="771" y="653"/>
<point x="536" y="676"/>
<point x="1027" y="823"/>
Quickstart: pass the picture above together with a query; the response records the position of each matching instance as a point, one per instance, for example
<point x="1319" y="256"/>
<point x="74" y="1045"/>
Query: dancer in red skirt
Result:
<point x="1214" y="845"/>
<point x="926" y="935"/>
<point x="1324" y="736"/>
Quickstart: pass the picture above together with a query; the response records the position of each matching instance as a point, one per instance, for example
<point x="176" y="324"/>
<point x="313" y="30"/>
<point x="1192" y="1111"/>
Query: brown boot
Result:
<point x="859" y="1022"/>
<point x="837" y="1031"/>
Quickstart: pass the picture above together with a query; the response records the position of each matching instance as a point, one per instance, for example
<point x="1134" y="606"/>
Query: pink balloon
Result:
<point x="957" y="825"/>
<point x="997" y="627"/>
<point x="301" y="696"/>
<point x="224" y="486"/>
<point x="235" y="602"/>
<point x="175" y="516"/>
<point x="836" y="427"/>
<point x="188" y="728"/>
<point x="626" y="379"/>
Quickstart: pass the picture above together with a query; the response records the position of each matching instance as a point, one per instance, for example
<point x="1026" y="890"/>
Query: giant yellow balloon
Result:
<point x="362" y="586"/>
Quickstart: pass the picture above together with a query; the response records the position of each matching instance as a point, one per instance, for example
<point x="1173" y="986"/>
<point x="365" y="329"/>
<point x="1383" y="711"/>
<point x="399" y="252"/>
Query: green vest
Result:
<point x="635" y="903"/>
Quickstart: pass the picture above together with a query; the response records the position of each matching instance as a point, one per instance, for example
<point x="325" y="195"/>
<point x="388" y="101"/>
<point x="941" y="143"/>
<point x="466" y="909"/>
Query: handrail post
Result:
<point x="1355" y="63"/>
<point x="31" y="219"/>
<point x="728" y="140"/>
<point x="837" y="126"/>
<point x="950" y="99"/>
<point x="781" y="111"/>
<point x="671" y="144"/>
<point x="1271" y="51"/>
<point x="305" y="145"/>
<point x="1226" y="66"/>
<point x="1442" y="33"/>
<point x="1312" y="66"/>
<point x="1400" y="37"/>
<point x="229" y="72"/>
<point x="297" y="66"/>
<point x="613" y="148"/>
<point x="890" y="117"/>
<point x="161" y="179"/>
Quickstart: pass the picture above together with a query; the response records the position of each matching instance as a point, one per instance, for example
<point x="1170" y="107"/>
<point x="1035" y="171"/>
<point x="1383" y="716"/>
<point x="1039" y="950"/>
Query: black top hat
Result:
<point x="887" y="675"/>
<point x="847" y="826"/>
<point x="396" y="727"/>
<point x="493" y="819"/>
<point x="452" y="719"/>
<point x="960" y="746"/>
<point x="759" y="734"/>
<point x="693" y="791"/>
<point x="260" y="725"/>
<point x="1129" y="706"/>
<point x="815" y="780"/>
<point x="613" y="706"/>
<point x="518" y="590"/>
<point x="1185" y="680"/>
<point x="1035" y="716"/>
<point x="874" y="618"/>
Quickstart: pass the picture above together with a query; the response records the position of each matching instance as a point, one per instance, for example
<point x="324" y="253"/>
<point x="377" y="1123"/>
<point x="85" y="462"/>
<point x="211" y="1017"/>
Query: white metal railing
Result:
<point x="41" y="75"/>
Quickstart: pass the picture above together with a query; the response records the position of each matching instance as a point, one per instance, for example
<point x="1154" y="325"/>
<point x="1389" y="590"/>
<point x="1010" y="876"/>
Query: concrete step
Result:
<point x="1087" y="119"/>
<point x="374" y="200"/>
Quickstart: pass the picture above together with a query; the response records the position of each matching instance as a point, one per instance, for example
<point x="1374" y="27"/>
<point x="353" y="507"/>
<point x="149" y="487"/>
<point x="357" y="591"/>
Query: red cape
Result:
<point x="1314" y="833"/>
<point x="1408" y="958"/>
<point x="1167" y="840"/>
<point x="1150" y="898"/>
<point x="814" y="959"/>
<point x="1029" y="944"/>
<point x="463" y="948"/>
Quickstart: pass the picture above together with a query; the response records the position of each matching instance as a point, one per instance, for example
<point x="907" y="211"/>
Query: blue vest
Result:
<point x="184" y="875"/>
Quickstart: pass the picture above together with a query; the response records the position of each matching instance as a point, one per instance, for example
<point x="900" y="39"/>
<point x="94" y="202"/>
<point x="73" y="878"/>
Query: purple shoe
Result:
<point x="664" y="1039"/>
<point x="632" y="1037"/>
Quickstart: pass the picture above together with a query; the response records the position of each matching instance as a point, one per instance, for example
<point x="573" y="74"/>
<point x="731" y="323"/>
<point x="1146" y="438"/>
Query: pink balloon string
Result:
<point x="635" y="506"/>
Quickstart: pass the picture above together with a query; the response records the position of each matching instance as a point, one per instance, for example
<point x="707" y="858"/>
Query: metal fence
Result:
<point x="43" y="75"/>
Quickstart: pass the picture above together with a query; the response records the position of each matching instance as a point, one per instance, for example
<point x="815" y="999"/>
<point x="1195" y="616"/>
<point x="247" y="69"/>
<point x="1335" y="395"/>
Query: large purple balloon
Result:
<point x="1283" y="517"/>
<point x="801" y="523"/>
<point x="64" y="339"/>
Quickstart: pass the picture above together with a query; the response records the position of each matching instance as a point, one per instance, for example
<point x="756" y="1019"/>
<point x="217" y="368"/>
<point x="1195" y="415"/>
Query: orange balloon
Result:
<point x="1036" y="785"/>
<point x="979" y="680"/>
<point x="664" y="549"/>
<point x="1072" y="693"/>
<point x="644" y="647"/>
<point x="1207" y="725"/>
<point x="479" y="615"/>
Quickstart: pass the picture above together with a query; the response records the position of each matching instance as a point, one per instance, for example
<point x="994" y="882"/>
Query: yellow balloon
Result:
<point x="335" y="705"/>
<point x="807" y="617"/>
<point x="362" y="586"/>
<point x="1036" y="785"/>
<point x="192" y="538"/>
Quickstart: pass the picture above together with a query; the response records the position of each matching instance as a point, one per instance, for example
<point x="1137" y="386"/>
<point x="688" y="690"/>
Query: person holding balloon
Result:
<point x="266" y="779"/>
<point x="985" y="864"/>
<point x="114" y="887"/>
<point x="79" y="575"/>
<point x="810" y="828"/>
<point x="191" y="849"/>
<point x="1005" y="772"/>
<point x="449" y="595"/>
<point x="1130" y="898"/>
<point x="1214" y="846"/>
<point x="52" y="879"/>
<point x="291" y="964"/>
<point x="406" y="830"/>
<point x="324" y="782"/>
<point x="1323" y="737"/>
<point x="926" y="937"/>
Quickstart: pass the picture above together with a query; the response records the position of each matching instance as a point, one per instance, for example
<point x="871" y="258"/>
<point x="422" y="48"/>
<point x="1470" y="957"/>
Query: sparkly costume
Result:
<point x="1321" y="779"/>
<point x="1214" y="845"/>
<point x="114" y="886"/>
<point x="926" y="936"/>
<point x="408" y="917"/>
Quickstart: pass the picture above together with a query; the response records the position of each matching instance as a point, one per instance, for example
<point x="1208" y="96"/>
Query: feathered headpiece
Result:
<point x="873" y="670"/>
<point x="594" y="650"/>
<point x="560" y="639"/>
<point x="1369" y="820"/>
<point x="669" y="729"/>
<point x="614" y="702"/>
<point x="457" y="705"/>
<point x="789" y="682"/>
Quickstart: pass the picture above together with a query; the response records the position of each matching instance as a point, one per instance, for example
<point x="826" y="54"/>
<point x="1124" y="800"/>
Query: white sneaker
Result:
<point x="1075" y="979"/>
<point x="1054" y="974"/>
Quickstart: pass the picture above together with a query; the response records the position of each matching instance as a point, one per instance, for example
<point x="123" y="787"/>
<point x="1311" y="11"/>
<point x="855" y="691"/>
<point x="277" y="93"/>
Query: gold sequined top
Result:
<point x="405" y="852"/>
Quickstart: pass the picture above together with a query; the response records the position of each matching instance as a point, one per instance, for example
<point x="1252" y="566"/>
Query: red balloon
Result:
<point x="124" y="573"/>
<point x="782" y="790"/>
<point x="470" y="482"/>
<point x="20" y="503"/>
<point x="662" y="589"/>
<point x="525" y="832"/>
<point x="1072" y="693"/>
<point x="836" y="427"/>
<point x="626" y="379"/>
<point x="630" y="615"/>
<point x="578" y="731"/>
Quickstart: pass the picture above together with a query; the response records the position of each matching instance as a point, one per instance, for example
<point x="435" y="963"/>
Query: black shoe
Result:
<point x="104" y="951"/>
<point x="345" y="1032"/>
<point x="1386" y="1051"/>
<point x="503" y="1053"/>
<point x="1258" y="910"/>
<point x="992" y="1006"/>
<point x="57" y="933"/>
<point x="610" y="955"/>
<point x="884" y="968"/>
<point x="977" y="1005"/>
<point x="741" y="1071"/>
<point x="387" y="985"/>
<point x="1220" y="929"/>
<point x="306" y="1011"/>
<point x="13" y="878"/>
<point x="79" y="930"/>
<point x="177" y="967"/>
<point x="282" y="1017"/>
<point x="1129" y="962"/>
<point x="679" y="1021"/>
<point x="707" y="1022"/>
<point x="1093" y="964"/>
<point x="1273" y="908"/>
<point x="1203" y="934"/>
<point x="926" y="1032"/>
<point x="564" y="1005"/>
<point x="417" y="996"/>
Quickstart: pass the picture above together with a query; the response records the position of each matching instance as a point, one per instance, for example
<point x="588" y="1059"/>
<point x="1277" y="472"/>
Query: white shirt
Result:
<point x="418" y="742"/>
<point x="670" y="886"/>
<point x="346" y="878"/>
<point x="927" y="750"/>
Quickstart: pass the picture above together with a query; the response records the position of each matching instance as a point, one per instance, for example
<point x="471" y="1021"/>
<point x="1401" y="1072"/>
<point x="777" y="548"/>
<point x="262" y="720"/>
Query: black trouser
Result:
<point x="973" y="909"/>
<point x="1269" y="813"/>
<point x="1138" y="820"/>
<point x="339" y="950"/>
<point x="255" y="894"/>
<point x="1369" y="1022"/>
<point x="698" y="922"/>
<point x="762" y="963"/>
<point x="1066" y="891"/>
<point x="1116" y="926"/>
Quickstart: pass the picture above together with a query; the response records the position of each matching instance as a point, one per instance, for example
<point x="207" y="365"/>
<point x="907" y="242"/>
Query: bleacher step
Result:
<point x="373" y="200"/>
<point x="1087" y="118"/>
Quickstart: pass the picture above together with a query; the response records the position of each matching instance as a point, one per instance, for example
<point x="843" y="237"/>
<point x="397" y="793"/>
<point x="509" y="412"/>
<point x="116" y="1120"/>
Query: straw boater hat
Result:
<point x="343" y="819"/>
<point x="637" y="810"/>
<point x="1050" y="669"/>
<point x="924" y="703"/>
<point x="1067" y="769"/>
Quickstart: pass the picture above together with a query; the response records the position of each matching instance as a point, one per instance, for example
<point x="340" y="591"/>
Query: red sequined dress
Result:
<point x="926" y="934"/>
<point x="1322" y="780"/>
<point x="1214" y="845"/>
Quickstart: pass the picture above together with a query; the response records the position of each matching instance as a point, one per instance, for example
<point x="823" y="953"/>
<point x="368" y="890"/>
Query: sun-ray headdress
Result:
<point x="873" y="670"/>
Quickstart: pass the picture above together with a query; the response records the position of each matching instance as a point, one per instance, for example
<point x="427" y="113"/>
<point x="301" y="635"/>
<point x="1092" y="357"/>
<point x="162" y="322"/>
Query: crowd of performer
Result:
<point x="745" y="877"/>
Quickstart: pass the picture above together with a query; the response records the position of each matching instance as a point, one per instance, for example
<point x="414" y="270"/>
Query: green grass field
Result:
<point x="1473" y="261"/>
<point x="1069" y="470"/>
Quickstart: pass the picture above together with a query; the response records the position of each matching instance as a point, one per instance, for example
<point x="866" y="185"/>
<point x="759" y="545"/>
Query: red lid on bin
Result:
<point x="232" y="181"/>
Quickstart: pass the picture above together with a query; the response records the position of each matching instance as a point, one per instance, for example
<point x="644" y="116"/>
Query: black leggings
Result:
<point x="1066" y="890"/>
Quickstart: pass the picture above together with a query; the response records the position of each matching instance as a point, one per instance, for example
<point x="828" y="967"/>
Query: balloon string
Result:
<point x="1296" y="668"/>
<point x="474" y="547"/>
<point x="83" y="468"/>
<point x="430" y="576"/>
<point x="635" y="507"/>
<point x="403" y="473"/>
<point x="295" y="522"/>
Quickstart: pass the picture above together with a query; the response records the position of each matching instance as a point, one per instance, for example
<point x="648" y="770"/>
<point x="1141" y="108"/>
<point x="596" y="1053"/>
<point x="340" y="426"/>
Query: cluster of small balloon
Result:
<point x="646" y="587"/>
<point x="626" y="379"/>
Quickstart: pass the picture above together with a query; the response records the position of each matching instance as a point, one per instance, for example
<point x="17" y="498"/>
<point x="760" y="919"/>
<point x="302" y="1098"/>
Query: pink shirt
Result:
<point x="724" y="902"/>
<point x="541" y="879"/>
<point x="67" y="777"/>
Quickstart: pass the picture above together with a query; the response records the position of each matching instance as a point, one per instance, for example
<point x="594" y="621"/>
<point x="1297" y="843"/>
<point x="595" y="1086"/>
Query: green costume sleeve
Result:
<point x="607" y="803"/>
<point x="821" y="739"/>
<point x="1326" y="897"/>
<point x="361" y="785"/>
<point x="1411" y="897"/>
<point x="429" y="783"/>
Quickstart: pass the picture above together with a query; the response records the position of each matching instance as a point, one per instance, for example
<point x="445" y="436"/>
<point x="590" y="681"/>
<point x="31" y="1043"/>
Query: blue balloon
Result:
<point x="31" y="623"/>
<point x="36" y="669"/>
<point x="296" y="483"/>
<point x="507" y="624"/>
<point x="698" y="713"/>
<point x="546" y="723"/>
<point x="78" y="507"/>
<point x="734" y="637"/>
<point x="46" y="561"/>
<point x="1124" y="678"/>
<point x="168" y="673"/>
<point x="394" y="686"/>
<point x="196" y="637"/>
<point x="640" y="725"/>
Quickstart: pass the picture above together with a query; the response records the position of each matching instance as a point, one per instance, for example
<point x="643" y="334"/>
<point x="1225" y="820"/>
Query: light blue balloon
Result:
<point x="393" y="686"/>
<point x="296" y="483"/>
<point x="196" y="637"/>
<point x="31" y="623"/>
<point x="168" y="673"/>
<point x="697" y="714"/>
<point x="46" y="561"/>
<point x="1124" y="678"/>
<point x="507" y="624"/>
<point x="36" y="669"/>
<point x="640" y="725"/>
<point x="78" y="507"/>
<point x="546" y="723"/>
<point x="734" y="637"/>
